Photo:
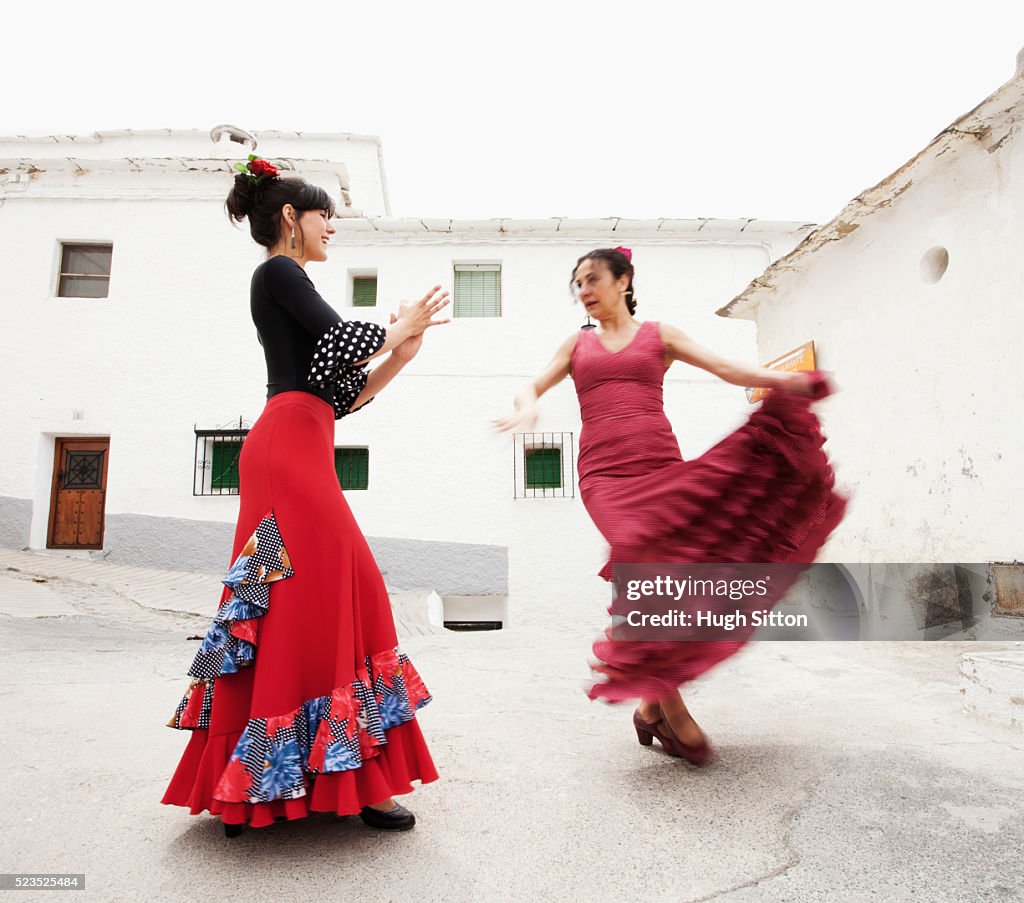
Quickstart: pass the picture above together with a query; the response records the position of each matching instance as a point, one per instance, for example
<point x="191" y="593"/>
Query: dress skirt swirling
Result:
<point x="763" y="495"/>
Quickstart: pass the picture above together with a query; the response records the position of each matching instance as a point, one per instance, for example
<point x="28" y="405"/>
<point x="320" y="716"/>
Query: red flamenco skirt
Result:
<point x="300" y="700"/>
<point x="763" y="495"/>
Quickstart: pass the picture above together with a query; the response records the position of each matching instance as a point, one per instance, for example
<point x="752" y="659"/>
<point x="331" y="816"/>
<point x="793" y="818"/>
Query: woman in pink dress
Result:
<point x="762" y="495"/>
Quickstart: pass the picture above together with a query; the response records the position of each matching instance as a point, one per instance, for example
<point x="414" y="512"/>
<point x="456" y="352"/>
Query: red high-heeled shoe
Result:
<point x="696" y="754"/>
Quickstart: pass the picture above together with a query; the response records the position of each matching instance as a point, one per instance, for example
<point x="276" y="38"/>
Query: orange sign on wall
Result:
<point x="799" y="359"/>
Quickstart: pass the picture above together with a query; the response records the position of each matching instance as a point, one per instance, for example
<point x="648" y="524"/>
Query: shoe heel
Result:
<point x="646" y="738"/>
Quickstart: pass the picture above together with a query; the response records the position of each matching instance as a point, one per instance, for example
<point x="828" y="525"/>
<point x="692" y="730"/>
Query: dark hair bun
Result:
<point x="240" y="200"/>
<point x="262" y="203"/>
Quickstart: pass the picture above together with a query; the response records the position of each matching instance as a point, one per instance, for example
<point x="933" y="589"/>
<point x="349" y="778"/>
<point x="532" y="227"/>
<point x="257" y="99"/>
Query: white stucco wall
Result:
<point x="926" y="429"/>
<point x="173" y="347"/>
<point x="432" y="431"/>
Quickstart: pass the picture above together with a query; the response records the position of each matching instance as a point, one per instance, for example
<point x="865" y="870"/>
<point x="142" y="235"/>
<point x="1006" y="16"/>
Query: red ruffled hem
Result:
<point x="763" y="495"/>
<point x="345" y="792"/>
<point x="654" y="670"/>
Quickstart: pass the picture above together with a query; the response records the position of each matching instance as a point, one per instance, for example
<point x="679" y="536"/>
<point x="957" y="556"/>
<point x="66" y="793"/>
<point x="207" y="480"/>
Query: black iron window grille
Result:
<point x="353" y="467"/>
<point x="83" y="470"/>
<point x="544" y="466"/>
<point x="216" y="461"/>
<point x="219" y="450"/>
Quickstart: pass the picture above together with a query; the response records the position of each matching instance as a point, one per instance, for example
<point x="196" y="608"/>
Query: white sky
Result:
<point x="776" y="111"/>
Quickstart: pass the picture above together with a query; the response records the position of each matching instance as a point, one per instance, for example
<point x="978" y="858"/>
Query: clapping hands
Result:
<point x="419" y="315"/>
<point x="419" y="318"/>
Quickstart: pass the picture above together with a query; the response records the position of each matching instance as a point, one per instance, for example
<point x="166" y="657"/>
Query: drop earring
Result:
<point x="293" y="237"/>
<point x="588" y="324"/>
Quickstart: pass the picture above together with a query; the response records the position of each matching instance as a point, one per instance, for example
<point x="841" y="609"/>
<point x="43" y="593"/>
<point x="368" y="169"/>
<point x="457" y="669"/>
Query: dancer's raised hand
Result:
<point x="523" y="419"/>
<point x="810" y="385"/>
<point x="419" y="314"/>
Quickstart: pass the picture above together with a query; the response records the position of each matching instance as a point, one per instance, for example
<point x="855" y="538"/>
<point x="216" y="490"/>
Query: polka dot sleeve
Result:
<point x="334" y="361"/>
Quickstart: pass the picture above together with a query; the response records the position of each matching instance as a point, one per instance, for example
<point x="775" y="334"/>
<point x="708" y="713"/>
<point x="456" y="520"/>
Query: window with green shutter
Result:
<point x="477" y="290"/>
<point x="353" y="467"/>
<point x="543" y="468"/>
<point x="224" y="466"/>
<point x="216" y="459"/>
<point x="364" y="291"/>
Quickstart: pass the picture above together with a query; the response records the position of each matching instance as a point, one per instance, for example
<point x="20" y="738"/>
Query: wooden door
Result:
<point x="78" y="494"/>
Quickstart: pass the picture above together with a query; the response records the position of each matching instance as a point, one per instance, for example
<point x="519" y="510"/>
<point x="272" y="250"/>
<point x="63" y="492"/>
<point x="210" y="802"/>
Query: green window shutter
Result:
<point x="364" y="291"/>
<point x="477" y="290"/>
<point x="543" y="468"/>
<point x="353" y="467"/>
<point x="224" y="466"/>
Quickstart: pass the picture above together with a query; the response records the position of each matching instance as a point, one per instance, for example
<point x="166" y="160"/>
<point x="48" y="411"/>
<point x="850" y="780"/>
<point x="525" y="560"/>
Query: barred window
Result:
<point x="218" y="452"/>
<point x="353" y="467"/>
<point x="84" y="270"/>
<point x="216" y="460"/>
<point x="544" y="466"/>
<point x="477" y="290"/>
<point x="224" y="469"/>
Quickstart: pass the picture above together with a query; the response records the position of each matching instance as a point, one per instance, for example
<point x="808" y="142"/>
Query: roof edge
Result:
<point x="973" y="126"/>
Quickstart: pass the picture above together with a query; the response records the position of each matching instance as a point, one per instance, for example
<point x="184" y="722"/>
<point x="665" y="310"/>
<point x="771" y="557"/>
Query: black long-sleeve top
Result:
<point x="308" y="347"/>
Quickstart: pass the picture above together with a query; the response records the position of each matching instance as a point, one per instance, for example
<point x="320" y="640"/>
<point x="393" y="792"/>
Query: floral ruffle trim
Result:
<point x="277" y="757"/>
<point x="194" y="709"/>
<point x="230" y="643"/>
<point x="334" y="361"/>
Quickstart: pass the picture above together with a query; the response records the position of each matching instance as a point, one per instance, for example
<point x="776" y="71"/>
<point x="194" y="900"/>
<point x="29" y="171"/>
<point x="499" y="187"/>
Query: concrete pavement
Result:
<point x="847" y="771"/>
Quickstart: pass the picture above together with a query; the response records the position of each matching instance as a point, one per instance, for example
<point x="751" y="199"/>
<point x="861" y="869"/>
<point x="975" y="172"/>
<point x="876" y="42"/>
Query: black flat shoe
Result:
<point x="397" y="819"/>
<point x="232" y="830"/>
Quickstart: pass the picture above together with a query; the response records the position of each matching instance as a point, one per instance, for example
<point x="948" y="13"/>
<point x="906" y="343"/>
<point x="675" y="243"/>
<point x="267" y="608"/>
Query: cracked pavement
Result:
<point x="846" y="771"/>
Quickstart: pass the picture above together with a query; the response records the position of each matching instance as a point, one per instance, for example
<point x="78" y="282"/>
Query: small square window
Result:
<point x="224" y="465"/>
<point x="353" y="467"/>
<point x="84" y="271"/>
<point x="543" y="468"/>
<point x="477" y="290"/>
<point x="364" y="291"/>
<point x="216" y="462"/>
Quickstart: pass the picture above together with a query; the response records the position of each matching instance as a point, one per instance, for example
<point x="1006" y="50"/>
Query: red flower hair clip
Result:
<point x="625" y="252"/>
<point x="257" y="169"/>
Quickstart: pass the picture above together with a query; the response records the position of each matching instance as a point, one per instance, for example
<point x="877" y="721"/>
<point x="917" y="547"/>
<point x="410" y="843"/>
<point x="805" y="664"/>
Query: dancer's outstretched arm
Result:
<point x="680" y="347"/>
<point x="525" y="415"/>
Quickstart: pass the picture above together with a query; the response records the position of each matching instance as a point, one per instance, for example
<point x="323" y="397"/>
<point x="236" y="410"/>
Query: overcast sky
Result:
<point x="772" y="110"/>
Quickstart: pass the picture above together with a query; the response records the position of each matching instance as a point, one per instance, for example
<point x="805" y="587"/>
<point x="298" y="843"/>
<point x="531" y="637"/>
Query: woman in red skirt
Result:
<point x="762" y="495"/>
<point x="300" y="700"/>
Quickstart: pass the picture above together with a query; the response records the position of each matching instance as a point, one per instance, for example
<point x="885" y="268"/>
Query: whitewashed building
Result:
<point x="912" y="296"/>
<point x="132" y="366"/>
